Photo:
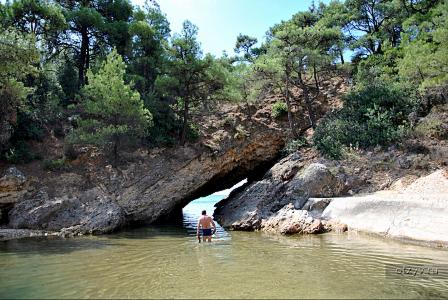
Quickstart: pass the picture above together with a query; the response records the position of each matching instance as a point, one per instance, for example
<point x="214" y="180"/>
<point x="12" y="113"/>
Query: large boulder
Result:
<point x="417" y="211"/>
<point x="287" y="182"/>
<point x="91" y="211"/>
<point x="289" y="220"/>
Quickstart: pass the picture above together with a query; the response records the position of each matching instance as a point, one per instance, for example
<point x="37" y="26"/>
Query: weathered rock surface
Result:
<point x="154" y="185"/>
<point x="289" y="220"/>
<point x="282" y="185"/>
<point x="12" y="186"/>
<point x="289" y="199"/>
<point x="89" y="196"/>
<point x="418" y="211"/>
<point x="91" y="211"/>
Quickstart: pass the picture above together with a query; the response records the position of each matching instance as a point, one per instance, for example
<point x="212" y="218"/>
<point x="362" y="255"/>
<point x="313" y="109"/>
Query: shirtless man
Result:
<point x="208" y="227"/>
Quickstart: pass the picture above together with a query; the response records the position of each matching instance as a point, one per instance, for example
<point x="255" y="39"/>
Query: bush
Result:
<point x="279" y="109"/>
<point x="55" y="164"/>
<point x="294" y="145"/>
<point x="193" y="132"/>
<point x="29" y="127"/>
<point x="328" y="136"/>
<point x="20" y="153"/>
<point x="374" y="114"/>
<point x="70" y="151"/>
<point x="166" y="127"/>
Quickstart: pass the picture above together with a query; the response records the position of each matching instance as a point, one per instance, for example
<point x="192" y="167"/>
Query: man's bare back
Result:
<point x="208" y="227"/>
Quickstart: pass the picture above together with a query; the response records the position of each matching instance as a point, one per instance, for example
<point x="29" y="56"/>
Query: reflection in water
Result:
<point x="167" y="262"/>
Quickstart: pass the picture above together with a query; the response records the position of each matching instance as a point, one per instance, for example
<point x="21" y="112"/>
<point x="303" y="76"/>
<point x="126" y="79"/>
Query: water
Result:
<point x="168" y="262"/>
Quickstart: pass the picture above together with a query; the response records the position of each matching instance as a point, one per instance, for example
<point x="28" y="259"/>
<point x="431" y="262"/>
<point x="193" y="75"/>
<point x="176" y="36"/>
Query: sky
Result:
<point x="220" y="21"/>
<point x="227" y="191"/>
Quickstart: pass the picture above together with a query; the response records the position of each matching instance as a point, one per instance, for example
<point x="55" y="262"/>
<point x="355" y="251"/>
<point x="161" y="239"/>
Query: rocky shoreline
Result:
<point x="312" y="201"/>
<point x="292" y="198"/>
<point x="417" y="212"/>
<point x="92" y="197"/>
<point x="398" y="192"/>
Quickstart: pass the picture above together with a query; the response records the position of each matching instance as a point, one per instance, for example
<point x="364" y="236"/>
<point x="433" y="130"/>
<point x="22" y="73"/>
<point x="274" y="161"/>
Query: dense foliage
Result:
<point x="107" y="66"/>
<point x="373" y="114"/>
<point x="112" y="111"/>
<point x="403" y="56"/>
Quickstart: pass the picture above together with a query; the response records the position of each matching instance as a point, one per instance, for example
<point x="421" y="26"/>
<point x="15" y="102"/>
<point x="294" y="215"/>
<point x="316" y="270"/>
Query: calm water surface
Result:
<point x="168" y="262"/>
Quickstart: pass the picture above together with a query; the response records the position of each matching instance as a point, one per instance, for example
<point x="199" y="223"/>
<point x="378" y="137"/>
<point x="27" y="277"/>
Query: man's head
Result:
<point x="204" y="212"/>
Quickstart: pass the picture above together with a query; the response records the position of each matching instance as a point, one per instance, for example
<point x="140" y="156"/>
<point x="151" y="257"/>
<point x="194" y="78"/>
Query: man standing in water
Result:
<point x="208" y="227"/>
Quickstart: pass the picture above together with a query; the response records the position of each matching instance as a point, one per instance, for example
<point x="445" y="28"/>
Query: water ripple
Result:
<point x="168" y="262"/>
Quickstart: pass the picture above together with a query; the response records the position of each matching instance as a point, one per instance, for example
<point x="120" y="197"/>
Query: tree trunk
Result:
<point x="379" y="49"/>
<point x="288" y="104"/>
<point x="83" y="56"/>
<point x="341" y="56"/>
<point x="245" y="96"/>
<point x="306" y="96"/>
<point x="249" y="113"/>
<point x="185" y="123"/>
<point x="316" y="81"/>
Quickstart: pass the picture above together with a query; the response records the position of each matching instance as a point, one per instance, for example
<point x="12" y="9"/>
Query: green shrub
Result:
<point x="58" y="131"/>
<point x="167" y="126"/>
<point x="55" y="164"/>
<point x="294" y="145"/>
<point x="279" y="109"/>
<point x="374" y="114"/>
<point x="328" y="135"/>
<point x="193" y="132"/>
<point x="70" y="151"/>
<point x="20" y="153"/>
<point x="29" y="127"/>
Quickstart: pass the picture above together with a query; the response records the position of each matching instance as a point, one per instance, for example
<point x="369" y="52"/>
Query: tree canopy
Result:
<point x="112" y="111"/>
<point x="110" y="65"/>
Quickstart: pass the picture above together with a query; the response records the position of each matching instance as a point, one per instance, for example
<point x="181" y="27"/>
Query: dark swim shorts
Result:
<point x="206" y="232"/>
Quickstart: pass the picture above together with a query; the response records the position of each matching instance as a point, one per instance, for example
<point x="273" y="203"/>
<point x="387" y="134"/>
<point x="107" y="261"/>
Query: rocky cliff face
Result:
<point x="13" y="185"/>
<point x="153" y="185"/>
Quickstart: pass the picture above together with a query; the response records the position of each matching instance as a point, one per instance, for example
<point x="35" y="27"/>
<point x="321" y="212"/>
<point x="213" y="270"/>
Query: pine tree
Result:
<point x="113" y="111"/>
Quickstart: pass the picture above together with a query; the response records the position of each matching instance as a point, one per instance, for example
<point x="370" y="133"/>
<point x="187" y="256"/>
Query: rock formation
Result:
<point x="289" y="220"/>
<point x="415" y="212"/>
<point x="154" y="185"/>
<point x="292" y="198"/>
<point x="282" y="185"/>
<point x="13" y="186"/>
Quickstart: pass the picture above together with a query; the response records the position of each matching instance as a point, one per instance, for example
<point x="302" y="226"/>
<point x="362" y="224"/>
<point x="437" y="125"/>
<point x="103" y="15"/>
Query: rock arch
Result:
<point x="157" y="185"/>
